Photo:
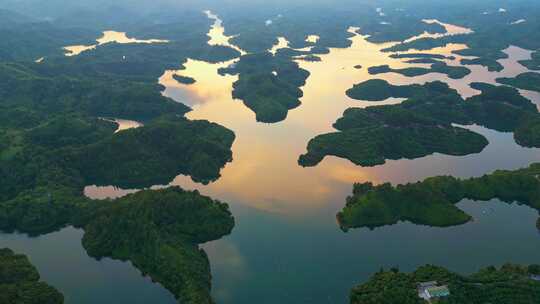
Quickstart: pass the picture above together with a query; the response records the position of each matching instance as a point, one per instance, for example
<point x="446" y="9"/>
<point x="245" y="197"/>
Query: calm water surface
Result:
<point x="108" y="37"/>
<point x="286" y="246"/>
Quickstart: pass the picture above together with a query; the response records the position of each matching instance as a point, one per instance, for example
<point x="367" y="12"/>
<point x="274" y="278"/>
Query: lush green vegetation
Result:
<point x="159" y="232"/>
<point x="54" y="143"/>
<point x="454" y="72"/>
<point x="421" y="56"/>
<point x="527" y="81"/>
<point x="269" y="85"/>
<point x="533" y="63"/>
<point x="183" y="79"/>
<point x="432" y="201"/>
<point x="41" y="91"/>
<point x="378" y="90"/>
<point x="422" y="124"/>
<point x="508" y="284"/>
<point x="493" y="31"/>
<point x="20" y="284"/>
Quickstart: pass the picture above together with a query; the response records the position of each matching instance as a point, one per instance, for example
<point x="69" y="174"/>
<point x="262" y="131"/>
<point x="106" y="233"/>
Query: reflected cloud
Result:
<point x="227" y="261"/>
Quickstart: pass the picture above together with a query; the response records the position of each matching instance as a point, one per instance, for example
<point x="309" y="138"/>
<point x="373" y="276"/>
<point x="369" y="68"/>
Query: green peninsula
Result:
<point x="507" y="284"/>
<point x="433" y="201"/>
<point x="423" y="124"/>
<point x="19" y="282"/>
<point x="268" y="85"/>
<point x="526" y="81"/>
<point x="183" y="79"/>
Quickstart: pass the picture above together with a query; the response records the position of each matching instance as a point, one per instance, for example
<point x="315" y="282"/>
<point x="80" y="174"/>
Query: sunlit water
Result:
<point x="286" y="246"/>
<point x="124" y="124"/>
<point x="108" y="37"/>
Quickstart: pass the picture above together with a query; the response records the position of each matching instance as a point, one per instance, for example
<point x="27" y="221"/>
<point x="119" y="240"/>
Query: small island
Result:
<point x="433" y="201"/>
<point x="432" y="284"/>
<point x="424" y="123"/>
<point x="20" y="282"/>
<point x="183" y="79"/>
<point x="454" y="72"/>
<point x="379" y="90"/>
<point x="533" y="63"/>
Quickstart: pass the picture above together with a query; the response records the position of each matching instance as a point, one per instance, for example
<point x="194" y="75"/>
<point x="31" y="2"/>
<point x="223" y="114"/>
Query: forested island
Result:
<point x="424" y="123"/>
<point x="454" y="72"/>
<point x="508" y="284"/>
<point x="433" y="201"/>
<point x="268" y="85"/>
<point x="20" y="282"/>
<point x="379" y="90"/>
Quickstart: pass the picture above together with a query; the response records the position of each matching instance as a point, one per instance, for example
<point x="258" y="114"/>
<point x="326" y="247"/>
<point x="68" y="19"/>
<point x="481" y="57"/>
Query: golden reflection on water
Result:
<point x="108" y="37"/>
<point x="264" y="173"/>
<point x="451" y="29"/>
<point x="217" y="33"/>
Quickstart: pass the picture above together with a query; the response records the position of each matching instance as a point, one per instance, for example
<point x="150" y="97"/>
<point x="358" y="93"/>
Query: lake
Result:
<point x="287" y="246"/>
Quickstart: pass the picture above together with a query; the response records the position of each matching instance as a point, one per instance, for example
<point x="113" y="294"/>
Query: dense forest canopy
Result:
<point x="20" y="282"/>
<point x="433" y="201"/>
<point x="507" y="284"/>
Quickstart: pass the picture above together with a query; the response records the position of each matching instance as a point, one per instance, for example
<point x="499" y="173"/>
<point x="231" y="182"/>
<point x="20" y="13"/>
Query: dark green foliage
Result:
<point x="310" y="58"/>
<point x="19" y="282"/>
<point x="423" y="61"/>
<point x="69" y="130"/>
<point x="533" y="63"/>
<point x="386" y="287"/>
<point x="378" y="90"/>
<point x="270" y="95"/>
<point x="421" y="56"/>
<point x="492" y="65"/>
<point x="454" y="72"/>
<point x="422" y="124"/>
<point x="183" y="79"/>
<point x="508" y="284"/>
<point x="30" y="41"/>
<point x="526" y="81"/>
<point x="432" y="201"/>
<point x="156" y="153"/>
<point x="159" y="232"/>
<point x="533" y="269"/>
